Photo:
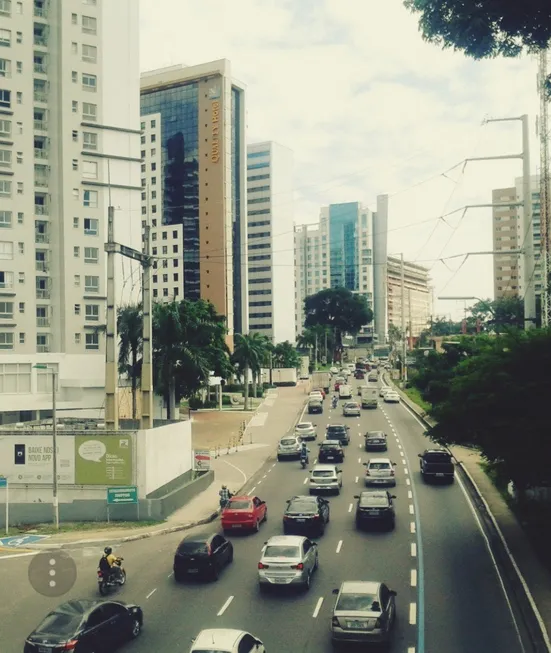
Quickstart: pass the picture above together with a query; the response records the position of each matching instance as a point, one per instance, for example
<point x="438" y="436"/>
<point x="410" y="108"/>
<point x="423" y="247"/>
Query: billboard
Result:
<point x="81" y="460"/>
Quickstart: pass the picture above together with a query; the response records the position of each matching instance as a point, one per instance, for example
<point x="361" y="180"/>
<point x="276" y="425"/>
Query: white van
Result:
<point x="345" y="392"/>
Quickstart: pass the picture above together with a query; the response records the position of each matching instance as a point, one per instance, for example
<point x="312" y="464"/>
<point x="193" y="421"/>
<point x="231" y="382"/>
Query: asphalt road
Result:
<point x="449" y="596"/>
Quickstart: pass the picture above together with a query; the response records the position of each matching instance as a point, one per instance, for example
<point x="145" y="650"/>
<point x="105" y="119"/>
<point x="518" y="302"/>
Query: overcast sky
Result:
<point x="368" y="108"/>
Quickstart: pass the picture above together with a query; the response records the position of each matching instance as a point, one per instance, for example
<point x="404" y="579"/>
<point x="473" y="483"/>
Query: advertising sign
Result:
<point x="103" y="460"/>
<point x="28" y="459"/>
<point x="201" y="460"/>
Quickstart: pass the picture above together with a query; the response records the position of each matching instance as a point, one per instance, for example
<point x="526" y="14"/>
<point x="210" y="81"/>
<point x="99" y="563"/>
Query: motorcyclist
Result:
<point x="107" y="564"/>
<point x="225" y="496"/>
<point x="335" y="401"/>
<point x="304" y="451"/>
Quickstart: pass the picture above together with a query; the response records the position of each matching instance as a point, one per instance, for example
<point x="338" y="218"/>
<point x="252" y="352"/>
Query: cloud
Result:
<point x="367" y="107"/>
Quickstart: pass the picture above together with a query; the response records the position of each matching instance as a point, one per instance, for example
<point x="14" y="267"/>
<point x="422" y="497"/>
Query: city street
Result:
<point x="449" y="594"/>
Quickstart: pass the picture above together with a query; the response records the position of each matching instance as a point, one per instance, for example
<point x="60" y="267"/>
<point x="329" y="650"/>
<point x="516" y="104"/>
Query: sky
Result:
<point x="368" y="108"/>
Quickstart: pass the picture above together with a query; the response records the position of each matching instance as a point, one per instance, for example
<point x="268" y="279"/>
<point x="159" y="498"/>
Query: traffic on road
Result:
<point x="355" y="549"/>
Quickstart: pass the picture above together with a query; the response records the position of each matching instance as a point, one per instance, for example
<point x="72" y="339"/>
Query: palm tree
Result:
<point x="130" y="331"/>
<point x="167" y="349"/>
<point x="248" y="355"/>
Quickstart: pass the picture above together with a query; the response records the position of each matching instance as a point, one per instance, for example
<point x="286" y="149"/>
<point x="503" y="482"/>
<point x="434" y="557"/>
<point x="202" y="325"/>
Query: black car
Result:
<point x="375" y="507"/>
<point x="202" y="554"/>
<point x="338" y="432"/>
<point x="87" y="624"/>
<point x="306" y="515"/>
<point x="315" y="406"/>
<point x="330" y="451"/>
<point x="375" y="441"/>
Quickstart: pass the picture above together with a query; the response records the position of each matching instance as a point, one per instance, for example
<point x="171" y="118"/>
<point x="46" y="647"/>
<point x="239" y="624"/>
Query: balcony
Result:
<point x="40" y="10"/>
<point x="40" y="96"/>
<point x="40" y="68"/>
<point x="43" y="293"/>
<point x="42" y="321"/>
<point x="41" y="266"/>
<point x="41" y="125"/>
<point x="41" y="40"/>
<point x="43" y="349"/>
<point x="42" y="182"/>
<point x="41" y="152"/>
<point x="41" y="209"/>
<point x="41" y="237"/>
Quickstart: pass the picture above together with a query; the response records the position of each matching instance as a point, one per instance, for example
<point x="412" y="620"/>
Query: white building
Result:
<point x="270" y="240"/>
<point x="69" y="147"/>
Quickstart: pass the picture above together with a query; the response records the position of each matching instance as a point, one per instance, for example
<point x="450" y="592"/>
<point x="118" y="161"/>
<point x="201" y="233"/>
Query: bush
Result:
<point x="233" y="387"/>
<point x="194" y="403"/>
<point x="226" y="401"/>
<point x="284" y="384"/>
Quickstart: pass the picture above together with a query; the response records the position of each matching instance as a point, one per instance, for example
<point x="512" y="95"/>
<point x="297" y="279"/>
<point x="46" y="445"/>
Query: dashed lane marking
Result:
<point x="170" y="575"/>
<point x="339" y="546"/>
<point x="225" y="607"/>
<point x="413" y="578"/>
<point x="406" y="471"/>
<point x="410" y="494"/>
<point x="253" y="489"/>
<point x="408" y="482"/>
<point x="305" y="480"/>
<point x="318" y="607"/>
<point x="151" y="593"/>
<point x="264" y="476"/>
<point x="412" y="614"/>
<point x="359" y="460"/>
<point x="350" y="507"/>
<point x="412" y="527"/>
<point x="411" y="509"/>
<point x="413" y="550"/>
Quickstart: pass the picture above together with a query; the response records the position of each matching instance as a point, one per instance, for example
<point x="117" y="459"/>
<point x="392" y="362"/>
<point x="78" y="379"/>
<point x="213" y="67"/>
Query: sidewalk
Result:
<point x="273" y="418"/>
<point x="527" y="565"/>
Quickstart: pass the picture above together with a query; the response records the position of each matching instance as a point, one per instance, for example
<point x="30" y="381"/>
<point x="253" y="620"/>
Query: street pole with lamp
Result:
<point x="54" y="441"/>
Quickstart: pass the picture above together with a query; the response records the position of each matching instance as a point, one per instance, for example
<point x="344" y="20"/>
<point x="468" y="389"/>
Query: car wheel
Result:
<point x="317" y="563"/>
<point x="307" y="582"/>
<point x="265" y="516"/>
<point x="136" y="628"/>
<point x="279" y="459"/>
<point x="215" y="573"/>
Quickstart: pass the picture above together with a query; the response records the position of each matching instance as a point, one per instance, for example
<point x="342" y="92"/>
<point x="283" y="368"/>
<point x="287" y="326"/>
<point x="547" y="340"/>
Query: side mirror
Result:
<point x="365" y="464"/>
<point x="394" y="464"/>
<point x="356" y="496"/>
<point x="392" y="496"/>
<point x="393" y="593"/>
<point x="419" y="455"/>
<point x="335" y="591"/>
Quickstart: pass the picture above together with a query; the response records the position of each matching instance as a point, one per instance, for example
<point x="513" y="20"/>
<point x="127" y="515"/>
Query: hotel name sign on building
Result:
<point x="214" y="94"/>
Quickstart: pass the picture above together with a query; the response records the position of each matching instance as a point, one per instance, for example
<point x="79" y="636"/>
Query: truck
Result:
<point x="437" y="465"/>
<point x="369" y="396"/>
<point x="284" y="376"/>
<point x="304" y="367"/>
<point x="321" y="380"/>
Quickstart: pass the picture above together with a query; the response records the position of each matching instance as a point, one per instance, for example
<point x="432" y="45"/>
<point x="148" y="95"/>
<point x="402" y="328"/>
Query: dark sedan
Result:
<point x="330" y="451"/>
<point x="375" y="507"/>
<point x="86" y="625"/>
<point x="375" y="441"/>
<point x="306" y="515"/>
<point x="202" y="554"/>
<point x="338" y="432"/>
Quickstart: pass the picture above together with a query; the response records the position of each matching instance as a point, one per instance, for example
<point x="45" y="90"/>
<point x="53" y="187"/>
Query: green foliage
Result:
<point x="129" y="329"/>
<point x="251" y="352"/>
<point x="318" y="334"/>
<point x="485" y="29"/>
<point x="394" y="334"/>
<point x="285" y="355"/>
<point x="499" y="314"/>
<point x="495" y="397"/>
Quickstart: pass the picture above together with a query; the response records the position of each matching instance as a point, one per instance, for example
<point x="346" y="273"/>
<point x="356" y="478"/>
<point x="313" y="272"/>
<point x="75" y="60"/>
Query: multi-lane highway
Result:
<point x="450" y="595"/>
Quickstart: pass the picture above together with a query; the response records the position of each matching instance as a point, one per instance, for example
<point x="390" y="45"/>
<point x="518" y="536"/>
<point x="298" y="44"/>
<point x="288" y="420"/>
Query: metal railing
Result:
<point x="41" y="238"/>
<point x="42" y="321"/>
<point x="41" y="125"/>
<point x="41" y="153"/>
<point x="42" y="293"/>
<point x="40" y="68"/>
<point x="41" y="209"/>
<point x="41" y="266"/>
<point x="40" y="96"/>
<point x="40" y="40"/>
<point x="42" y="349"/>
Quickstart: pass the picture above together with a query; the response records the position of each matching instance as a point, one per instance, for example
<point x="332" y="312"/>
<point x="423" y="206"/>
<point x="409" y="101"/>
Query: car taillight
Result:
<point x="392" y="472"/>
<point x="262" y="566"/>
<point x="335" y="621"/>
<point x="316" y="516"/>
<point x="367" y="472"/>
<point x="209" y="549"/>
<point x="300" y="566"/>
<point x="70" y="645"/>
<point x="100" y="574"/>
<point x="286" y="517"/>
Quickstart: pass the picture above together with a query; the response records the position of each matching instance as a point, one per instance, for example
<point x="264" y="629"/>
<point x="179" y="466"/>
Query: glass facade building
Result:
<point x="343" y="245"/>
<point x="238" y="247"/>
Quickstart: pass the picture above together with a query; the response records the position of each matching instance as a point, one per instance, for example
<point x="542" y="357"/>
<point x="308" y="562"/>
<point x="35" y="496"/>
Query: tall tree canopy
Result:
<point x="285" y="355"/>
<point x="339" y="309"/>
<point x="485" y="28"/>
<point x="498" y="314"/>
<point x="250" y="356"/>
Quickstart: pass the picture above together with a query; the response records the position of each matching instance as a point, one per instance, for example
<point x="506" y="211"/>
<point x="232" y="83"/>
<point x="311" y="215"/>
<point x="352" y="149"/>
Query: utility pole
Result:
<point x="403" y="311"/>
<point x="545" y="198"/>
<point x="316" y="353"/>
<point x="54" y="449"/>
<point x="326" y="355"/>
<point x="147" y="335"/>
<point x="410" y="322"/>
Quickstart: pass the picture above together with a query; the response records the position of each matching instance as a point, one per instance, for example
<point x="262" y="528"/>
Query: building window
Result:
<point x="76" y="251"/>
<point x="6" y="340"/>
<point x="74" y="77"/>
<point x="77" y="309"/>
<point x="75" y="135"/>
<point x="89" y="25"/>
<point x="92" y="341"/>
<point x="90" y="169"/>
<point x="15" y="378"/>
<point x="5" y="219"/>
<point x="74" y="48"/>
<point x="91" y="226"/>
<point x="89" y="141"/>
<point x="5" y="37"/>
<point x="257" y="155"/>
<point x="75" y="164"/>
<point x="76" y="222"/>
<point x="5" y="98"/>
<point x="77" y="279"/>
<point x="21" y="307"/>
<point x="77" y="338"/>
<point x="21" y="338"/>
<point x="6" y="310"/>
<point x="90" y="199"/>
<point x="6" y="250"/>
<point x="6" y="279"/>
<point x="5" y="68"/>
<point x="89" y="53"/>
<point x="89" y="111"/>
<point x="91" y="312"/>
<point x="91" y="255"/>
<point x="74" y="19"/>
<point x="91" y="284"/>
<point x="89" y="82"/>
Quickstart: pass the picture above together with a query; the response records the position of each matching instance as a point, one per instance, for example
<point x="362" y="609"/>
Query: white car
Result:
<point x="351" y="409"/>
<point x="392" y="397"/>
<point x="306" y="431"/>
<point x="286" y="560"/>
<point x="380" y="471"/>
<point x="226" y="640"/>
<point x="288" y="447"/>
<point x="325" y="478"/>
<point x="383" y="390"/>
<point x="316" y="395"/>
<point x="334" y="370"/>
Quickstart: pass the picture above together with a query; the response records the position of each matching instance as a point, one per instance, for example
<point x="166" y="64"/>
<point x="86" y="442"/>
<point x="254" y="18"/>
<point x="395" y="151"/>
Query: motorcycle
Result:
<point x="335" y="402"/>
<point x="107" y="581"/>
<point x="303" y="461"/>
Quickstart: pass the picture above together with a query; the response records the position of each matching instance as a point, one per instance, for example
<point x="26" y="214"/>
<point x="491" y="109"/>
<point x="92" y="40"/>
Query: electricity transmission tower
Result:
<point x="544" y="88"/>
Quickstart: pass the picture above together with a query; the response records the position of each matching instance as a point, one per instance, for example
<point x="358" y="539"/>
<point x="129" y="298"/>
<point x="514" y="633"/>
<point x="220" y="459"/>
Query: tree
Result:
<point x="315" y="338"/>
<point x="285" y="355"/>
<point x="249" y="354"/>
<point x="496" y="405"/>
<point x="339" y="309"/>
<point x="499" y="314"/>
<point x="130" y="331"/>
<point x="485" y="28"/>
<point x="394" y="334"/>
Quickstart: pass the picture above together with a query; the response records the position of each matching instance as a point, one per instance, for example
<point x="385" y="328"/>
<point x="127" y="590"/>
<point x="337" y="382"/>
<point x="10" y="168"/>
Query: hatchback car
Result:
<point x="380" y="471"/>
<point x="338" y="432"/>
<point x="226" y="640"/>
<point x="320" y="390"/>
<point x="306" y="515"/>
<point x="365" y="612"/>
<point x="287" y="560"/>
<point x="375" y="507"/>
<point x="316" y="396"/>
<point x="391" y="397"/>
<point x="383" y="390"/>
<point x="376" y="441"/>
<point x="325" y="478"/>
<point x="288" y="447"/>
<point x="330" y="451"/>
<point x="88" y="624"/>
<point x="244" y="513"/>
<point x="202" y="554"/>
<point x="351" y="409"/>
<point x="306" y="431"/>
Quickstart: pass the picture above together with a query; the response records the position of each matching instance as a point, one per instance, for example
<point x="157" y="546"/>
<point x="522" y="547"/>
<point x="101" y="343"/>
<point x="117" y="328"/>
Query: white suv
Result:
<point x="325" y="478"/>
<point x="226" y="639"/>
<point x="288" y="447"/>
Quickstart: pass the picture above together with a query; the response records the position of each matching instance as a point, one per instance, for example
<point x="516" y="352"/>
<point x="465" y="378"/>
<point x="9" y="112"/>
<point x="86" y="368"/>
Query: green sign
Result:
<point x="103" y="460"/>
<point x="122" y="495"/>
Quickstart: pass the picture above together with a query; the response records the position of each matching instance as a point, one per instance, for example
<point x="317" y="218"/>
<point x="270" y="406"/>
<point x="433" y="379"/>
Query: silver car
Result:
<point x="351" y="409"/>
<point x="380" y="471"/>
<point x="392" y="397"/>
<point x="288" y="447"/>
<point x="287" y="560"/>
<point x="365" y="612"/>
<point x="306" y="431"/>
<point x="325" y="478"/>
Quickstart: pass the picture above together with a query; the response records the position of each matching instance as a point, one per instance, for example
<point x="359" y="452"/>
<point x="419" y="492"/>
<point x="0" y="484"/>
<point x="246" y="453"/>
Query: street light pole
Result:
<point x="54" y="454"/>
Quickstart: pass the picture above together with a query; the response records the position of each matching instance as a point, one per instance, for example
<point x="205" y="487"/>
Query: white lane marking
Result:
<point x="356" y="479"/>
<point x="359" y="446"/>
<point x="253" y="489"/>
<point x="406" y="470"/>
<point x="411" y="509"/>
<point x="19" y="555"/>
<point x="359" y="460"/>
<point x="170" y="575"/>
<point x="350" y="507"/>
<point x="413" y="549"/>
<point x="305" y="480"/>
<point x="264" y="476"/>
<point x="151" y="593"/>
<point x="318" y="607"/>
<point x="412" y="614"/>
<point x="339" y="546"/>
<point x="413" y="578"/>
<point x="269" y="471"/>
<point x="402" y="454"/>
<point x="273" y="465"/>
<point x="404" y="462"/>
<point x="315" y="461"/>
<point x="411" y="649"/>
<point x="410" y="494"/>
<point x="412" y="527"/>
<point x="408" y="482"/>
<point x="245" y="479"/>
<point x="225" y="607"/>
<point x="399" y="446"/>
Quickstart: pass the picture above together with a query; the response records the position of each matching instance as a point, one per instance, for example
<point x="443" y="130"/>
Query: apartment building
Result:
<point x="198" y="187"/>
<point x="270" y="246"/>
<point x="416" y="308"/>
<point x="69" y="147"/>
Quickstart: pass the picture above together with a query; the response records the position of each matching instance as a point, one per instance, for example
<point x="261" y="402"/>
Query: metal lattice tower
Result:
<point x="545" y="197"/>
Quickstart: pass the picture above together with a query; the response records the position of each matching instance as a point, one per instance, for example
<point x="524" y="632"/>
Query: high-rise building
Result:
<point x="509" y="234"/>
<point x="69" y="148"/>
<point x="270" y="240"/>
<point x="417" y="296"/>
<point x="194" y="185"/>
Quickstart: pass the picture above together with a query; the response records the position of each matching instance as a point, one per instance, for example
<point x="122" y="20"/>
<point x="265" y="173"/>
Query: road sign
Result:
<point x="3" y="482"/>
<point x="118" y="495"/>
<point x="201" y="458"/>
<point x="21" y="540"/>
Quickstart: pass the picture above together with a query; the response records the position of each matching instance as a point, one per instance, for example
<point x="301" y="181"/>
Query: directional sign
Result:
<point x="117" y="495"/>
<point x="201" y="459"/>
<point x="21" y="540"/>
<point x="3" y="482"/>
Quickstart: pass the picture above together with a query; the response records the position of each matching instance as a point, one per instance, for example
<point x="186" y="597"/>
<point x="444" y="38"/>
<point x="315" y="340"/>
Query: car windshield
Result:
<point x="329" y="446"/>
<point x="288" y="441"/>
<point x="379" y="465"/>
<point x="323" y="473"/>
<point x="356" y="602"/>
<point x="303" y="506"/>
<point x="210" y="650"/>
<point x="193" y="547"/>
<point x="335" y="429"/>
<point x="281" y="551"/>
<point x="437" y="457"/>
<point x="300" y="427"/>
<point x="376" y="434"/>
<point x="60" y="623"/>
<point x="239" y="505"/>
<point x="373" y="500"/>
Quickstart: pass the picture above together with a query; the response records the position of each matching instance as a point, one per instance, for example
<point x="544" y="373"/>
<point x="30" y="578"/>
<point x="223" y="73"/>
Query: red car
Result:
<point x="244" y="513"/>
<point x="320" y="390"/>
<point x="337" y="386"/>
